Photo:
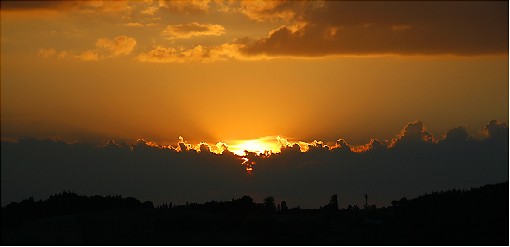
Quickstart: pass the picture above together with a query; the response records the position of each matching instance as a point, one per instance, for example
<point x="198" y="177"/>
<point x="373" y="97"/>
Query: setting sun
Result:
<point x="258" y="146"/>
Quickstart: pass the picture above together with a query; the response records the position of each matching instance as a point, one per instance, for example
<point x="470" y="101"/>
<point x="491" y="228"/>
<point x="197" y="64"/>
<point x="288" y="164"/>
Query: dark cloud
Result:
<point x="398" y="27"/>
<point x="110" y="7"/>
<point x="29" y="5"/>
<point x="204" y="148"/>
<point x="145" y="170"/>
<point x="456" y="135"/>
<point x="375" y="145"/>
<point x="342" y="146"/>
<point x="413" y="134"/>
<point x="496" y="130"/>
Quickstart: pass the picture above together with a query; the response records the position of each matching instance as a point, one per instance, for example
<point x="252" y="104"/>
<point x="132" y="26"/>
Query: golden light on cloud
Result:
<point x="160" y="54"/>
<point x="185" y="7"/>
<point x="184" y="31"/>
<point x="121" y="45"/>
<point x="88" y="56"/>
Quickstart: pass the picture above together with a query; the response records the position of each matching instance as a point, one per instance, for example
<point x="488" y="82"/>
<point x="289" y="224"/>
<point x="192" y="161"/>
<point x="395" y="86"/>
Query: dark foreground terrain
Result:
<point x="475" y="217"/>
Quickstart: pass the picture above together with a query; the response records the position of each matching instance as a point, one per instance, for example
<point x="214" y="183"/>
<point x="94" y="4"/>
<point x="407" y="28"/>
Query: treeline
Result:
<point x="67" y="202"/>
<point x="244" y="204"/>
<point x="455" y="217"/>
<point x="478" y="216"/>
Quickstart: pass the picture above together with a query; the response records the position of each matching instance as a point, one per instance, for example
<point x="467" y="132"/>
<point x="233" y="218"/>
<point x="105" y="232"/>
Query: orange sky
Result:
<point x="226" y="70"/>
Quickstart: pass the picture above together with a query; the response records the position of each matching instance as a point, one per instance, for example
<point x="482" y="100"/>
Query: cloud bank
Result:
<point x="306" y="28"/>
<point x="343" y="28"/>
<point x="368" y="28"/>
<point x="303" y="174"/>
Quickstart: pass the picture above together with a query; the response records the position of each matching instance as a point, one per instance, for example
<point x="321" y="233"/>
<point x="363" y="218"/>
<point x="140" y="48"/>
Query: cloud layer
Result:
<point x="121" y="45"/>
<point x="413" y="163"/>
<point x="306" y="28"/>
<point x="162" y="54"/>
<point x="105" y="48"/>
<point x="186" y="7"/>
<point x="367" y="28"/>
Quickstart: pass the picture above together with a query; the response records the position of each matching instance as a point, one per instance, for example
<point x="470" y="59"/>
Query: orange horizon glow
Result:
<point x="243" y="71"/>
<point x="260" y="146"/>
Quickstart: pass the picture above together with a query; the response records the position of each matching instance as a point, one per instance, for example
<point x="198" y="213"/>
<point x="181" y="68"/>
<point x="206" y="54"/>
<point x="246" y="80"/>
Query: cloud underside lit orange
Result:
<point x="406" y="28"/>
<point x="309" y="29"/>
<point x="414" y="133"/>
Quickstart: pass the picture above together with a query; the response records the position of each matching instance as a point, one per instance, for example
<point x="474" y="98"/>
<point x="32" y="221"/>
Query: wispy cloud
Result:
<point x="151" y="10"/>
<point x="47" y="52"/>
<point x="194" y="29"/>
<point x="105" y="48"/>
<point x="161" y="54"/>
<point x="121" y="45"/>
<point x="185" y="7"/>
<point x="88" y="56"/>
<point x="273" y="10"/>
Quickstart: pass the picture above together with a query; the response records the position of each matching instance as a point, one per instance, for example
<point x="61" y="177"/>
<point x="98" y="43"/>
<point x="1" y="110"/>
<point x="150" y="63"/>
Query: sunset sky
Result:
<point x="251" y="74"/>
<point x="226" y="70"/>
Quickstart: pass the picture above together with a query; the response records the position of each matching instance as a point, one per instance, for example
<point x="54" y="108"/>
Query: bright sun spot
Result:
<point x="257" y="146"/>
<point x="248" y="164"/>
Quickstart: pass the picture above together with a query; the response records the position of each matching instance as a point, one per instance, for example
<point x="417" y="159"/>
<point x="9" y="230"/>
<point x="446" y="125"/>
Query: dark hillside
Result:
<point x="475" y="217"/>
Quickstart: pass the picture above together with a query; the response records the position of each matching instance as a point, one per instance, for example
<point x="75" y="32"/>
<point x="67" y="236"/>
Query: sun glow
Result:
<point x="261" y="145"/>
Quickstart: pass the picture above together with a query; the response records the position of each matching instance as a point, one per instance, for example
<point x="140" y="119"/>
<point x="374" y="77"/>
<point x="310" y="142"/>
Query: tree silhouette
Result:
<point x="147" y="204"/>
<point x="453" y="217"/>
<point x="269" y="205"/>
<point x="284" y="207"/>
<point x="333" y="203"/>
